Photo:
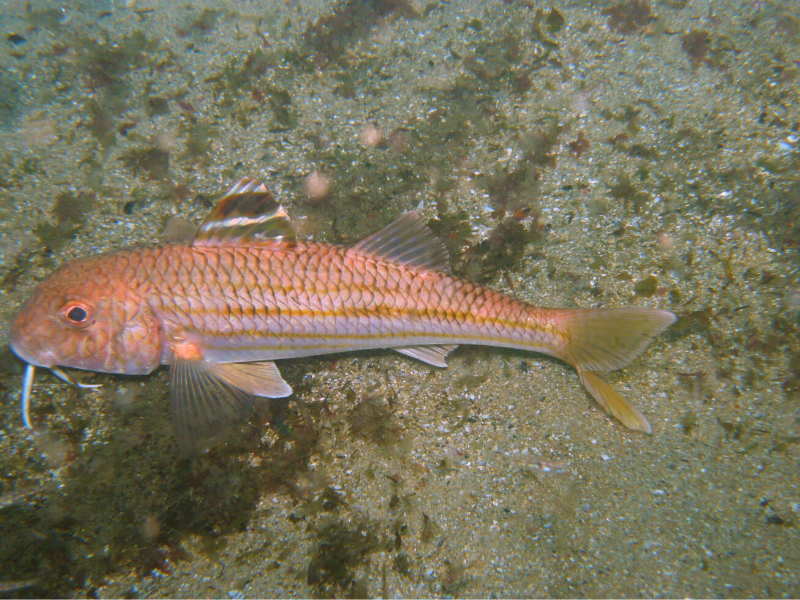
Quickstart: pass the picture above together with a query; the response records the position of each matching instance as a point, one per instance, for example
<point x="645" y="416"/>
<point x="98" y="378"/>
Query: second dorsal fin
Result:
<point x="408" y="241"/>
<point x="248" y="212"/>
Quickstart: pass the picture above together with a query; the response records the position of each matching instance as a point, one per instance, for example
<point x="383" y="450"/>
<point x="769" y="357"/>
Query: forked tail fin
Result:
<point x="609" y="339"/>
<point x="609" y="398"/>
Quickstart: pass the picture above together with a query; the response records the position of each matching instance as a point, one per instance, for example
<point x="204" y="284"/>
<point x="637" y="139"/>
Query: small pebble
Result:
<point x="371" y="136"/>
<point x="317" y="186"/>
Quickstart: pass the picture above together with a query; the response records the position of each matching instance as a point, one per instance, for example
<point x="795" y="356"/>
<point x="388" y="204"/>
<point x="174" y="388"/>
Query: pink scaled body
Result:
<point x="244" y="293"/>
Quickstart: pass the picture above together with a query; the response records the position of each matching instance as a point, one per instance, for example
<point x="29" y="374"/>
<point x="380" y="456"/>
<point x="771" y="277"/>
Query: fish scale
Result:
<point x="245" y="293"/>
<point x="321" y="292"/>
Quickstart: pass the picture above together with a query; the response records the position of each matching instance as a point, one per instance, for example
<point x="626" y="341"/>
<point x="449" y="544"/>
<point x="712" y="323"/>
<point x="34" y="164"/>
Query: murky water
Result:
<point x="640" y="153"/>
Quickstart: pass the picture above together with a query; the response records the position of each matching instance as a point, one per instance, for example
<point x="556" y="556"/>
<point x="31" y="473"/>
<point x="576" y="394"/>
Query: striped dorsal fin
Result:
<point x="247" y="213"/>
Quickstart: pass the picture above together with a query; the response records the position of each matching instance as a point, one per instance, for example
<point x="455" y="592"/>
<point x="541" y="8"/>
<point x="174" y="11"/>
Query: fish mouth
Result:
<point x="44" y="359"/>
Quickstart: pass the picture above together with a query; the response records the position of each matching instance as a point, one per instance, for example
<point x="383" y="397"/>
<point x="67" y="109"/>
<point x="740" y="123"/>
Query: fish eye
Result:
<point x="76" y="314"/>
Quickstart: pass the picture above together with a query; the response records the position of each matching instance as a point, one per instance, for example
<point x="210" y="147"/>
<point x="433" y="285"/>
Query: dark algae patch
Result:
<point x="628" y="16"/>
<point x="503" y="250"/>
<point x="148" y="162"/>
<point x="94" y="525"/>
<point x="202" y="25"/>
<point x="373" y="419"/>
<point x="341" y="548"/>
<point x="10" y="100"/>
<point x="69" y="212"/>
<point x="199" y="139"/>
<point x="330" y="36"/>
<point x="631" y="195"/>
<point x="241" y="77"/>
<point x="106" y="63"/>
<point x="646" y="287"/>
<point x="696" y="44"/>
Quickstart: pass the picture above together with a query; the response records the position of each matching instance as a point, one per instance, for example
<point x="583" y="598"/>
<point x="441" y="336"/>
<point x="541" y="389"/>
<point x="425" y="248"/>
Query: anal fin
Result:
<point x="433" y="355"/>
<point x="611" y="400"/>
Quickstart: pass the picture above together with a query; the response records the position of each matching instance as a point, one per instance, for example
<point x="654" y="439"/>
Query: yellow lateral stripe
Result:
<point x="441" y="315"/>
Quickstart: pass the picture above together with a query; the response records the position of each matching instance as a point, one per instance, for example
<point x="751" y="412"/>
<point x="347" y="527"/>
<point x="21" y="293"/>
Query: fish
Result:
<point x="221" y="308"/>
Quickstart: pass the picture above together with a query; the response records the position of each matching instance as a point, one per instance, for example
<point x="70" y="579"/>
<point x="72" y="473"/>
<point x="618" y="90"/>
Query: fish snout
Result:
<point x="27" y="344"/>
<point x="42" y="358"/>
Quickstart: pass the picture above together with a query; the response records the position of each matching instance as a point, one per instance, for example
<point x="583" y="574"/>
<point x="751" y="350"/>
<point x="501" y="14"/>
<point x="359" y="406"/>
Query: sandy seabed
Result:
<point x="573" y="154"/>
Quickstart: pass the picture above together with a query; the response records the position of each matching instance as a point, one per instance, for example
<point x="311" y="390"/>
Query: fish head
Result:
<point x="89" y="315"/>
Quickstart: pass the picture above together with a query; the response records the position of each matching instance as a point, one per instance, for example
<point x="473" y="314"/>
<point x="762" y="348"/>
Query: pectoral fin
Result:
<point x="202" y="404"/>
<point x="609" y="399"/>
